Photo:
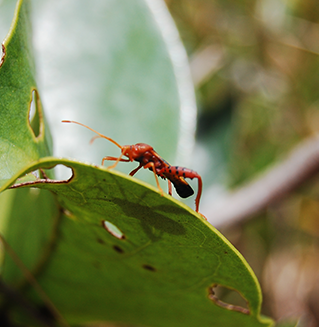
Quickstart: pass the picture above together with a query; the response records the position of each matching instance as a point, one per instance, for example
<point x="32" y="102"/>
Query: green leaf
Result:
<point x="30" y="235"/>
<point x="157" y="271"/>
<point x="19" y="145"/>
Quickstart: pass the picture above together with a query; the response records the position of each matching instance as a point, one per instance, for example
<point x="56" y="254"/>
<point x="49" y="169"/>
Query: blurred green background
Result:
<point x="255" y="66"/>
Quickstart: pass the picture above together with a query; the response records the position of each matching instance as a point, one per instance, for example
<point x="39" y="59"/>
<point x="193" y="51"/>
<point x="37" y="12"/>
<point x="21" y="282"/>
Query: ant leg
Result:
<point x="169" y="187"/>
<point x="134" y="171"/>
<point x="114" y="158"/>
<point x="117" y="160"/>
<point x="151" y="165"/>
<point x="199" y="192"/>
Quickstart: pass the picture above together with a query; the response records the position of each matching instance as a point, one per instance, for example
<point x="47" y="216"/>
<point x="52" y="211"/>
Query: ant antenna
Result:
<point x="99" y="134"/>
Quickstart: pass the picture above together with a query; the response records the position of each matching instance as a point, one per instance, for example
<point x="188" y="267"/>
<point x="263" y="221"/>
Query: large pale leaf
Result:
<point x="108" y="64"/>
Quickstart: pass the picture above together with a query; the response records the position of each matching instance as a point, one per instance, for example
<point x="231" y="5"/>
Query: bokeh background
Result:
<point x="255" y="67"/>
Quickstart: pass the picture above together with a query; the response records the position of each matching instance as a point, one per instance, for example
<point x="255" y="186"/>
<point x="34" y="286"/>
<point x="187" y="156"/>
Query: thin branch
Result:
<point x="271" y="186"/>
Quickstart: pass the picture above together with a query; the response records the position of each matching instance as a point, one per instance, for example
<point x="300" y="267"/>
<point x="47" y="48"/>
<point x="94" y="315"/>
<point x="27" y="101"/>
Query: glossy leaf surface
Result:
<point x="162" y="257"/>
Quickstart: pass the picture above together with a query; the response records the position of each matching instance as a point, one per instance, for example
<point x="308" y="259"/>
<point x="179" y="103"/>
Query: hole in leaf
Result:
<point x="29" y="177"/>
<point x="36" y="173"/>
<point x="32" y="109"/>
<point x="63" y="172"/>
<point x="3" y="54"/>
<point x="45" y="176"/>
<point x="59" y="173"/>
<point x="34" y="113"/>
<point x="148" y="267"/>
<point x="228" y="299"/>
<point x="68" y="213"/>
<point x="118" y="249"/>
<point x="113" y="230"/>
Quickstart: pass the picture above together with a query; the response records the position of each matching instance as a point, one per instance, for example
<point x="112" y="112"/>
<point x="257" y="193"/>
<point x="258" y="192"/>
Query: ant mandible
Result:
<point x="148" y="158"/>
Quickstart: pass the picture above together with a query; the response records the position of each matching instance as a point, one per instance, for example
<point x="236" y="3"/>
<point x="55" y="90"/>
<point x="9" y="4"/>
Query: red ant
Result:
<point x="148" y="158"/>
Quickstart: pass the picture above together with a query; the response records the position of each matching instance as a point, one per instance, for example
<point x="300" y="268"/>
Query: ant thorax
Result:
<point x="138" y="151"/>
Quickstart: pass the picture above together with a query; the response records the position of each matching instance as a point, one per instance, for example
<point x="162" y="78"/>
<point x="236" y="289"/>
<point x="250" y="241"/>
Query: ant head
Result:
<point x="127" y="150"/>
